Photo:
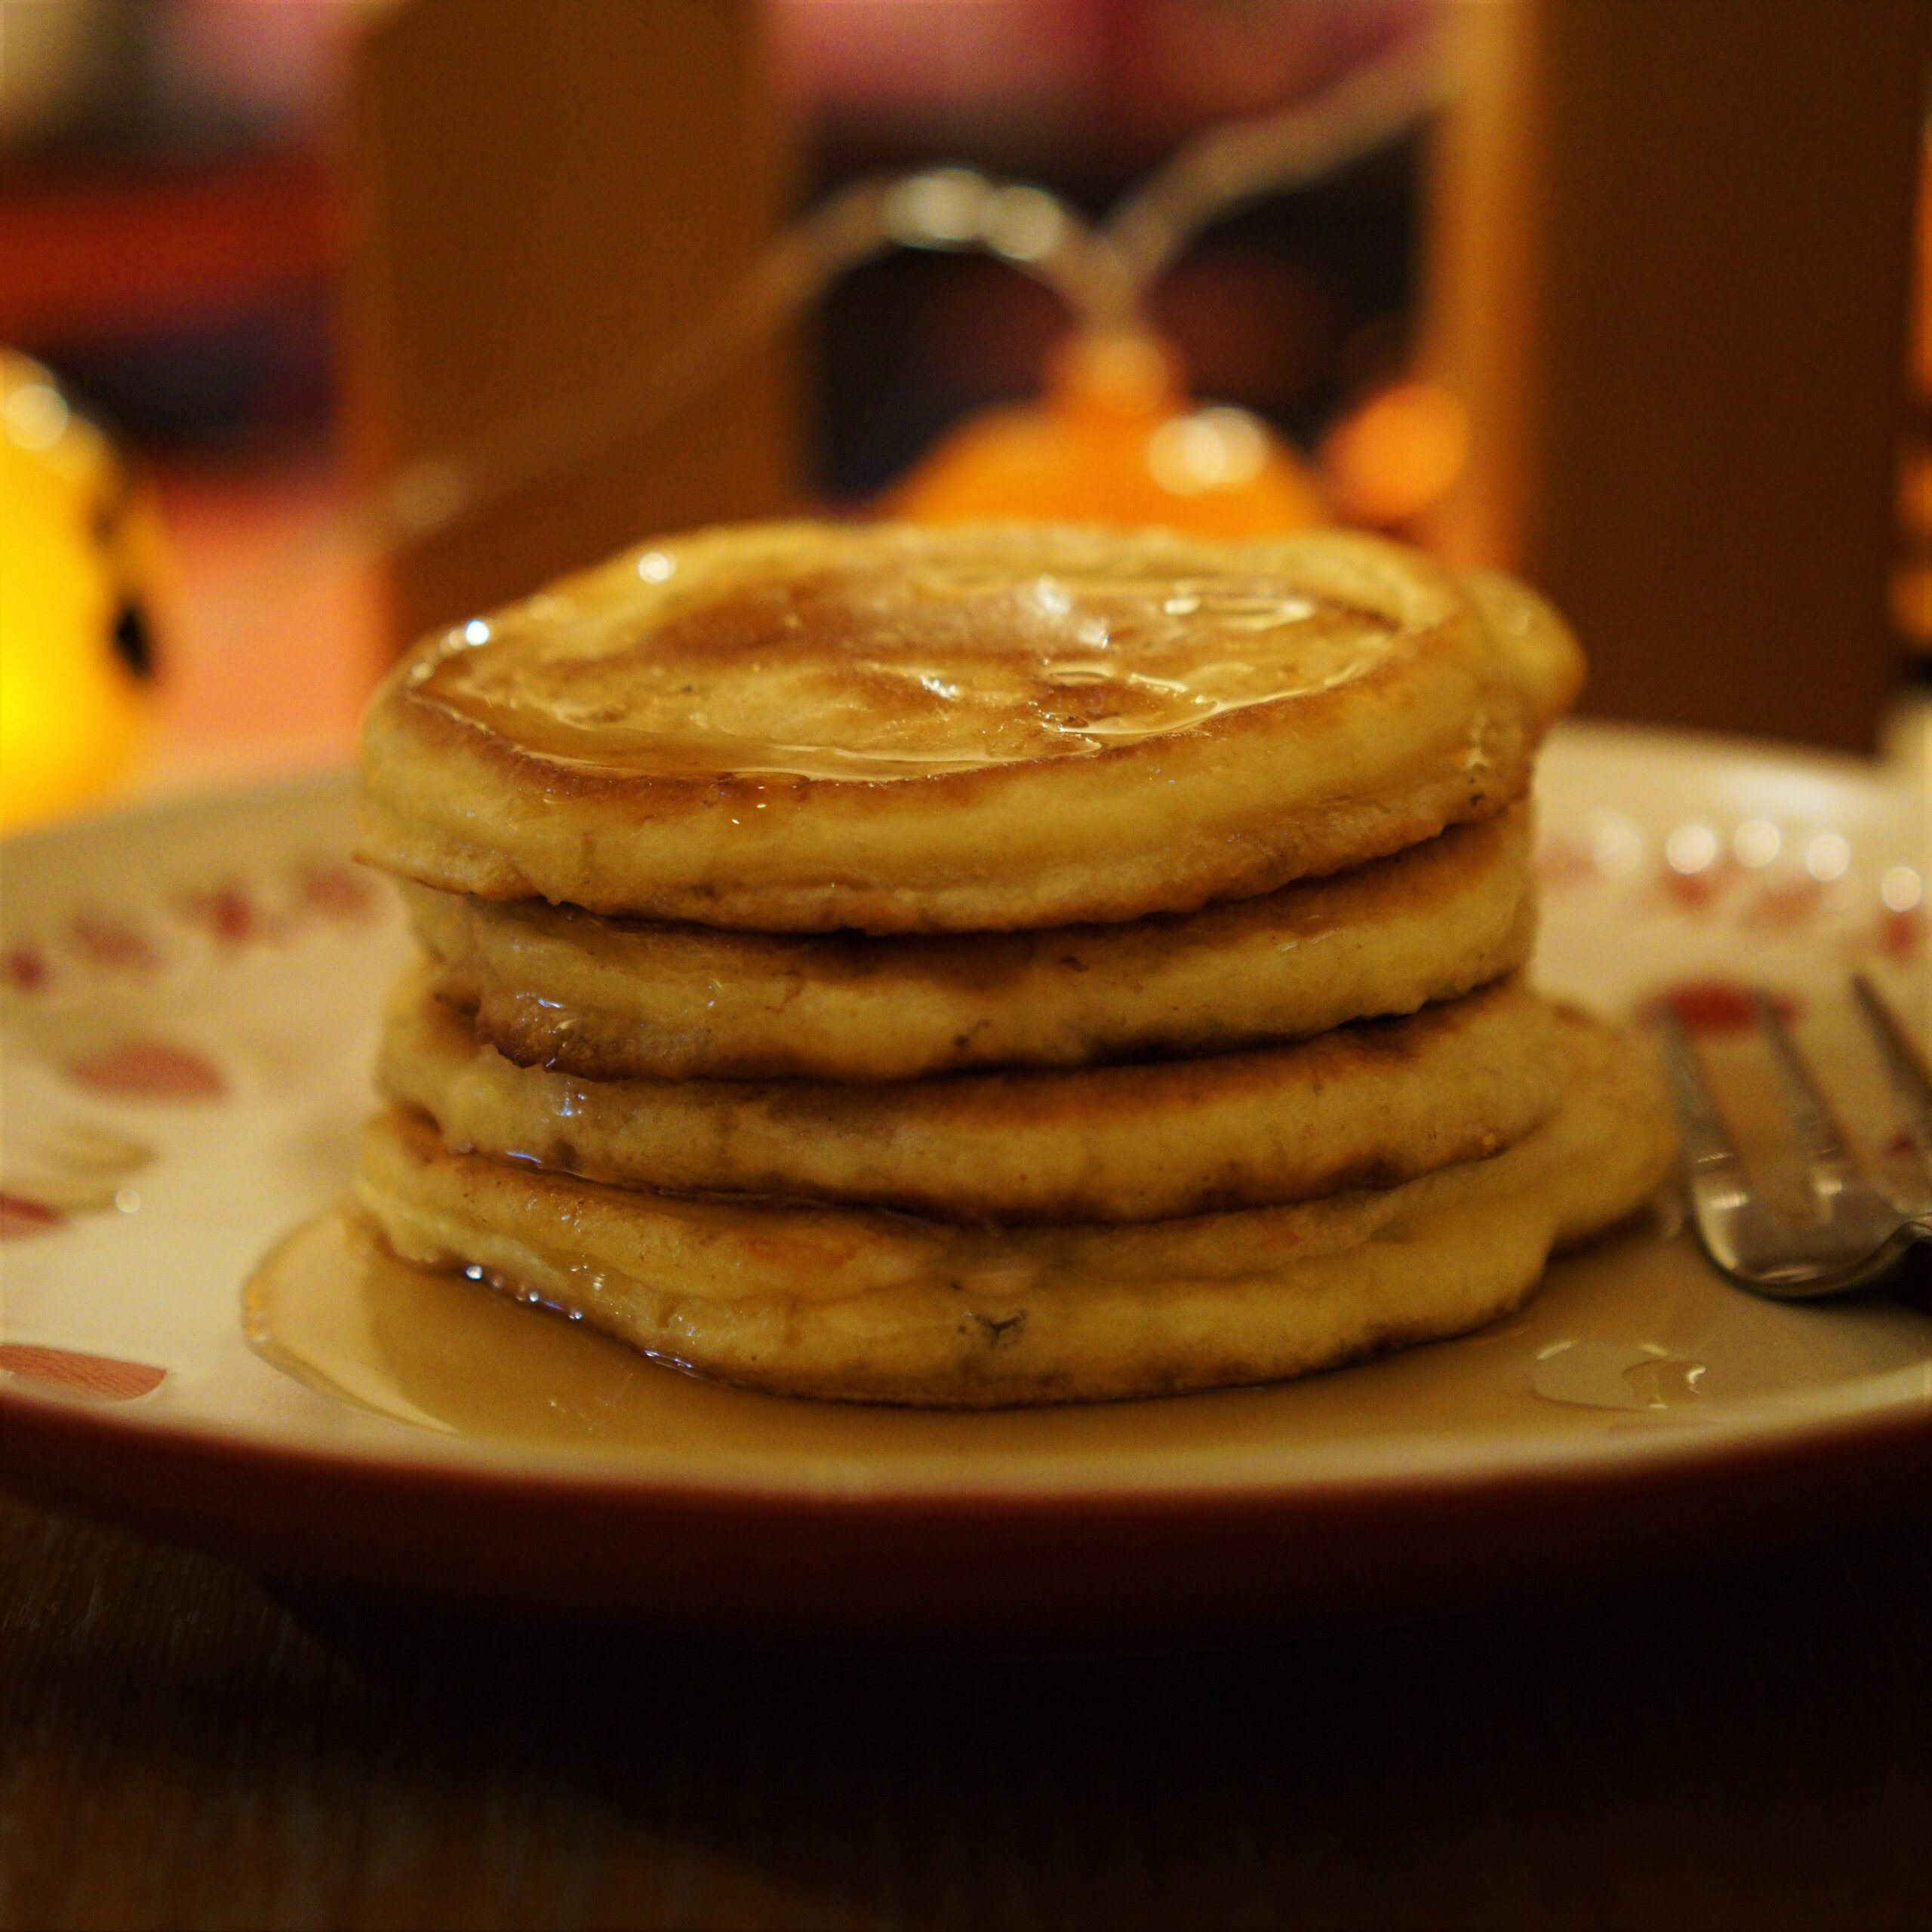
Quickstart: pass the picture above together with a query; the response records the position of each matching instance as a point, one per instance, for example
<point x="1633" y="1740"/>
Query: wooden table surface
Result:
<point x="1751" y="1748"/>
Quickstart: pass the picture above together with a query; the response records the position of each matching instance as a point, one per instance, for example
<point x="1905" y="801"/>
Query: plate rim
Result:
<point x="1744" y="1431"/>
<point x="956" y="1566"/>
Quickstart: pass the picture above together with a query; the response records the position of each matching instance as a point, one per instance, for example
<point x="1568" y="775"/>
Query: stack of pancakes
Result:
<point x="989" y="965"/>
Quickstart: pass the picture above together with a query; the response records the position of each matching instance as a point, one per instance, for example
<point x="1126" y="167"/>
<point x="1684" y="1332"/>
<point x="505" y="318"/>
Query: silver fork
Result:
<point x="1855" y="1232"/>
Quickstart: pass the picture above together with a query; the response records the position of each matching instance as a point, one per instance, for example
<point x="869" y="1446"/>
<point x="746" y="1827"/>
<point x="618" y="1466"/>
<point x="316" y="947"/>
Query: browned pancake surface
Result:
<point x="610" y="999"/>
<point x="1365" y="1106"/>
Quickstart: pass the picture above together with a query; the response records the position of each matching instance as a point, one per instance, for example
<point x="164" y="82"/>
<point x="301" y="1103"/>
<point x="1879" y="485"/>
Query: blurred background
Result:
<point x="328" y="321"/>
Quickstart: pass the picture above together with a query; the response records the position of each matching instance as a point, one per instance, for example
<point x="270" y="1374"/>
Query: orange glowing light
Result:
<point x="1114" y="440"/>
<point x="1393" y="456"/>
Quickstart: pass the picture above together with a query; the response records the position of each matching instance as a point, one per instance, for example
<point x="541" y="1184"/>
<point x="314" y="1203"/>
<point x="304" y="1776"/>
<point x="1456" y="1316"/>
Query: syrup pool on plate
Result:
<point x="1608" y="1346"/>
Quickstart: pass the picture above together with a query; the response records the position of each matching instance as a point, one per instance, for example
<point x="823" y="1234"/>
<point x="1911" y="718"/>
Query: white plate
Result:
<point x="190" y="995"/>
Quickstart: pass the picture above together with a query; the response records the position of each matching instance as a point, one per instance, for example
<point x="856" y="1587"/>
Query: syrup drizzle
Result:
<point x="898" y="668"/>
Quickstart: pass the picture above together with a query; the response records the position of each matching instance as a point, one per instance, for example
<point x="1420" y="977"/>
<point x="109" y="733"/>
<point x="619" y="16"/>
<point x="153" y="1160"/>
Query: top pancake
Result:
<point x="803" y="727"/>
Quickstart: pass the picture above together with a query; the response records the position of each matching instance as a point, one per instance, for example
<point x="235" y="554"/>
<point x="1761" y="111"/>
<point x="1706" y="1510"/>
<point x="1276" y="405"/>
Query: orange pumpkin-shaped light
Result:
<point x="1114" y="440"/>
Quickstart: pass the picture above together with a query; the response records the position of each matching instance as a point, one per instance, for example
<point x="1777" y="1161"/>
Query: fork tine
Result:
<point x="1707" y="1142"/>
<point x="1855" y="1233"/>
<point x="1827" y="1155"/>
<point x="1905" y="1068"/>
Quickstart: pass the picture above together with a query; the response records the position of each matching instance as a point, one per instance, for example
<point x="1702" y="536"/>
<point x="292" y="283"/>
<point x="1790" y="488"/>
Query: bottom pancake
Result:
<point x="870" y="1306"/>
<point x="1371" y="1105"/>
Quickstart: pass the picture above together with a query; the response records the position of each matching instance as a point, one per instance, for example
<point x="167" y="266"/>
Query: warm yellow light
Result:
<point x="1114" y="440"/>
<point x="69" y="708"/>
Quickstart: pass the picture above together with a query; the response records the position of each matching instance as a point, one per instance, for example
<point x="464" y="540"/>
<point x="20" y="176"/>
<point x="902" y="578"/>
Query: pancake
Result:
<point x="806" y="728"/>
<point x="1372" y="1104"/>
<point x="874" y="1307"/>
<point x="553" y="986"/>
<point x="1366" y="1106"/>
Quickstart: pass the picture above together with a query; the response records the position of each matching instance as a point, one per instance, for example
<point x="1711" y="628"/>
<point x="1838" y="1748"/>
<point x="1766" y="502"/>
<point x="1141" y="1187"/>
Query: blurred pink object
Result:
<point x="276" y="639"/>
